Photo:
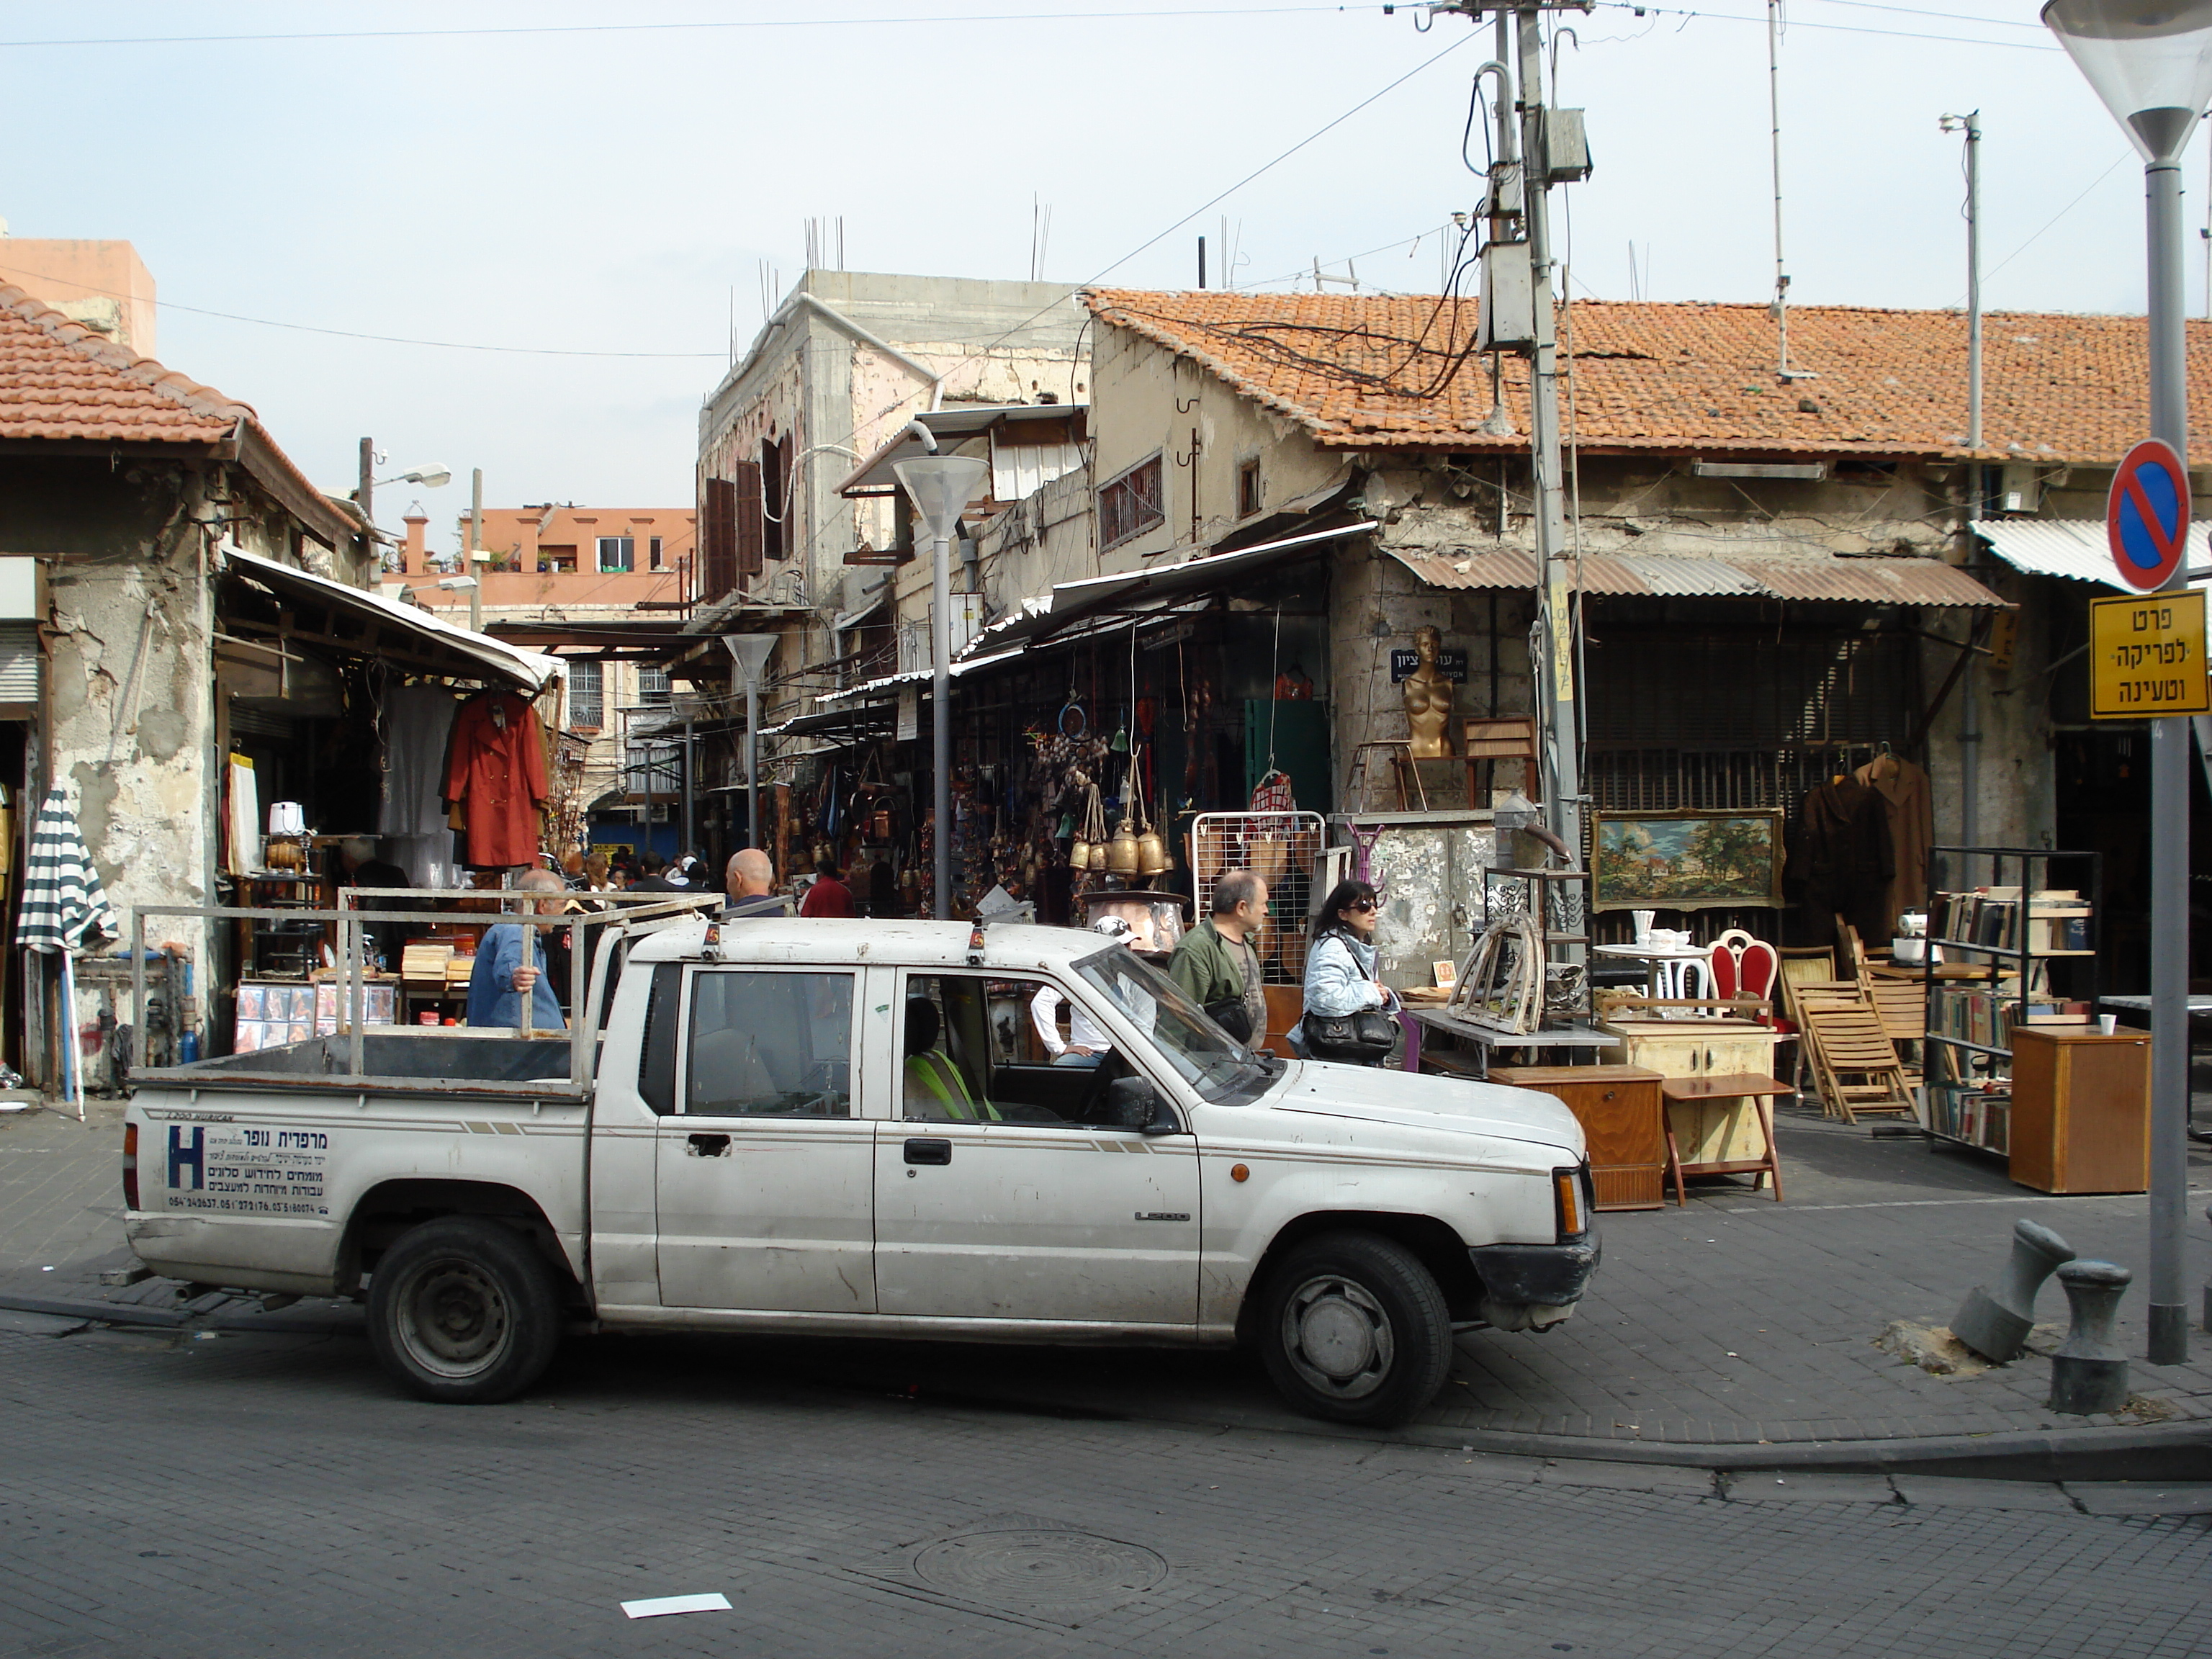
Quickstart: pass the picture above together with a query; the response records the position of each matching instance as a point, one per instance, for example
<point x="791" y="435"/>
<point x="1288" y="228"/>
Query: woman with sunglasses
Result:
<point x="1340" y="961"/>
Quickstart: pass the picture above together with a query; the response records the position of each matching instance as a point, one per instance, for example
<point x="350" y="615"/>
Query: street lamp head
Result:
<point x="751" y="652"/>
<point x="941" y="486"/>
<point x="2150" y="60"/>
<point x="430" y="478"/>
<point x="457" y="584"/>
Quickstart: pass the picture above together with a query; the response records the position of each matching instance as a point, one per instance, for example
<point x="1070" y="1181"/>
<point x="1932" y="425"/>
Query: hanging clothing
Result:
<point x="497" y="774"/>
<point x="1842" y="860"/>
<point x="1910" y="806"/>
<point x="418" y="725"/>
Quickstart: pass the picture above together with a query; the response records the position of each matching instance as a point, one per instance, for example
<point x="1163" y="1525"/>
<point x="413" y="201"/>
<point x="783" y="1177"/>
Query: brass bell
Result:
<point x="1079" y="854"/>
<point x="1153" y="857"/>
<point x="1121" y="854"/>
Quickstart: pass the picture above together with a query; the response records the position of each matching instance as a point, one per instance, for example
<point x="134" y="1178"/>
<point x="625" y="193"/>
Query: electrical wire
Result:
<point x="1688" y="17"/>
<point x="353" y="334"/>
<point x="642" y="28"/>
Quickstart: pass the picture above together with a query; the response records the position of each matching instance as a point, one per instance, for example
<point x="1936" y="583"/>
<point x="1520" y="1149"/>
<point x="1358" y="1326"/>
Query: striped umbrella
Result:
<point x="64" y="909"/>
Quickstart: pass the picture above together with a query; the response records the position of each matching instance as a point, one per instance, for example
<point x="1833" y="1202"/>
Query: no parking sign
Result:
<point x="2146" y="515"/>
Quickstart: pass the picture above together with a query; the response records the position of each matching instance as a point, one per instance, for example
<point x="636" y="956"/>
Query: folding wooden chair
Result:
<point x="1854" y="1065"/>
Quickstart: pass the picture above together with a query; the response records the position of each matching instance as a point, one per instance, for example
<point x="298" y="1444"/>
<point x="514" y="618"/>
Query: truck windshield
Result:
<point x="1207" y="1057"/>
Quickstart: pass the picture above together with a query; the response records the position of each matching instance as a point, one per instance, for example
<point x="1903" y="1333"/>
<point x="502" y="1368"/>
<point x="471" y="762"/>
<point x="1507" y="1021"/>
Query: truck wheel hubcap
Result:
<point x="455" y="1320"/>
<point x="1337" y="1337"/>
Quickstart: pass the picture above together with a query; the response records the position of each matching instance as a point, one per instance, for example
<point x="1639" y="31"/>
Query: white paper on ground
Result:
<point x="654" y="1607"/>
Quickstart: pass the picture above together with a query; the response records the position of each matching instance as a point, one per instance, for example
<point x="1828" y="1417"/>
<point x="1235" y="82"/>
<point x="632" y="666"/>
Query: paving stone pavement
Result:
<point x="1734" y="1323"/>
<point x="181" y="1495"/>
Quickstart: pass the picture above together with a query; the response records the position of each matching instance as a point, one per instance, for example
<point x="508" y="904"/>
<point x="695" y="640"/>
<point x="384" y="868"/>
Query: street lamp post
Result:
<point x="941" y="486"/>
<point x="751" y="652"/>
<point x="2151" y="62"/>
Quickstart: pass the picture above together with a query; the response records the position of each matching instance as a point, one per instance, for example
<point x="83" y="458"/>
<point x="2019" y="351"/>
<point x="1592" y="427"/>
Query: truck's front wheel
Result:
<point x="1352" y="1328"/>
<point x="462" y="1311"/>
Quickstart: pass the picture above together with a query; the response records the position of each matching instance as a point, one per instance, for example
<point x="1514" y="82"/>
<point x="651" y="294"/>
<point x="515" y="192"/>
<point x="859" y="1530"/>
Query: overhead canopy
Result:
<point x="373" y="626"/>
<point x="1859" y="581"/>
<point x="610" y="641"/>
<point x="896" y="682"/>
<point x="2076" y="548"/>
<point x="1136" y="592"/>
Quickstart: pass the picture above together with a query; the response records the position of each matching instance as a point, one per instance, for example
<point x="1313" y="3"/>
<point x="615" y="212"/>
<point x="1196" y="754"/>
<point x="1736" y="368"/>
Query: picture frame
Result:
<point x="1688" y="860"/>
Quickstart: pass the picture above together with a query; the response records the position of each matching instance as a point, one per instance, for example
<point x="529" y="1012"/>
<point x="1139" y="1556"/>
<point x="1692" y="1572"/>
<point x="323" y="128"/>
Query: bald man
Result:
<point x="748" y="880"/>
<point x="511" y="960"/>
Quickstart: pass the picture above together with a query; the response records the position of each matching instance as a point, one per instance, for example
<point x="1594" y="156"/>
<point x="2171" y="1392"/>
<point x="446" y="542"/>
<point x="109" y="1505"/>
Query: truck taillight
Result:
<point x="130" y="1166"/>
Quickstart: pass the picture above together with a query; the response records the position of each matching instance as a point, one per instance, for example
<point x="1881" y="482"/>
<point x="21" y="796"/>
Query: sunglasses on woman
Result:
<point x="1365" y="906"/>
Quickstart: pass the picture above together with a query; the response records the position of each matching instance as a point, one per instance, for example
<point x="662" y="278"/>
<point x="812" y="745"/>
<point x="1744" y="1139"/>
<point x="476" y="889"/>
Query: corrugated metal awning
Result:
<point x="2073" y="548"/>
<point x="1862" y="582"/>
<point x="434" y="643"/>
<point x="1131" y="593"/>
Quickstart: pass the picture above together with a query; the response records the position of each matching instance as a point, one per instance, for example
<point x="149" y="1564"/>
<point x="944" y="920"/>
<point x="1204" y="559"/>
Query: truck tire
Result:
<point x="462" y="1311"/>
<point x="1353" y="1328"/>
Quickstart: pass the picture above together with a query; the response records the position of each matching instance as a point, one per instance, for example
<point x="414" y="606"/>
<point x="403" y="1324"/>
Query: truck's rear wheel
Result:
<point x="461" y="1311"/>
<point x="1353" y="1328"/>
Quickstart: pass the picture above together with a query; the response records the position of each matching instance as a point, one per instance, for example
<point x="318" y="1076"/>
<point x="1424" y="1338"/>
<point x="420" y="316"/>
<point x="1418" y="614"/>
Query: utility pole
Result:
<point x="367" y="494"/>
<point x="1537" y="146"/>
<point x="1970" y="715"/>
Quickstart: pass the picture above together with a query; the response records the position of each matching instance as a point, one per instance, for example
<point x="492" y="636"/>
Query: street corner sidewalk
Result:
<point x="1738" y="1328"/>
<point x="61" y="1193"/>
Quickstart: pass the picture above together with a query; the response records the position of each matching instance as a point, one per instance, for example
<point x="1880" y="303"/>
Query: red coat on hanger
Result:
<point x="497" y="772"/>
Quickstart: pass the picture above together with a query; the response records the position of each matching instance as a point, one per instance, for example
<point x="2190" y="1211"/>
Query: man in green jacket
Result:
<point x="1216" y="963"/>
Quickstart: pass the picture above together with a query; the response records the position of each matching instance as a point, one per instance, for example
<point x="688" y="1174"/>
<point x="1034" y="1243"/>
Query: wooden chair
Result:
<point x="1742" y="966"/>
<point x="1854" y="1065"/>
<point x="1811" y="967"/>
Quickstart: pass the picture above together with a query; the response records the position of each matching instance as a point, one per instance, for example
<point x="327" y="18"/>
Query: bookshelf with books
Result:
<point x="2026" y="918"/>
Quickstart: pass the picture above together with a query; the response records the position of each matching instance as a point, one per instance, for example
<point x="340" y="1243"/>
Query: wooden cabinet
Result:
<point x="1727" y="1130"/>
<point x="2080" y="1111"/>
<point x="1619" y="1108"/>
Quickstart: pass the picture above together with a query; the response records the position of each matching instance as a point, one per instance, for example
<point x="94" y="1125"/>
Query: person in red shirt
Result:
<point x="828" y="896"/>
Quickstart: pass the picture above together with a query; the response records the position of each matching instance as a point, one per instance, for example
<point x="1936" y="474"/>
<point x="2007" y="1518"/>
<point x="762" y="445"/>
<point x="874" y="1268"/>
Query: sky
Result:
<point x="556" y="187"/>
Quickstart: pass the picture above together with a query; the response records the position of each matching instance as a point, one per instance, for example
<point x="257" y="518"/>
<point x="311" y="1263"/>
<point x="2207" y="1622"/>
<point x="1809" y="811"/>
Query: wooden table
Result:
<point x="1624" y="1126"/>
<point x="1707" y="1106"/>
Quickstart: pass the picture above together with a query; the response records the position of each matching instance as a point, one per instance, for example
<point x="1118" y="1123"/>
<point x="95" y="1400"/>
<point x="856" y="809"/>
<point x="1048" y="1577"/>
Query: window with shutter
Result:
<point x="718" y="551"/>
<point x="747" y="485"/>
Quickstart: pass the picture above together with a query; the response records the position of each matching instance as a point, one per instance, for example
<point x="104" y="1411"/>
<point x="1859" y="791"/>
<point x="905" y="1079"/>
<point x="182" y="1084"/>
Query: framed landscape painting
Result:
<point x="1688" y="860"/>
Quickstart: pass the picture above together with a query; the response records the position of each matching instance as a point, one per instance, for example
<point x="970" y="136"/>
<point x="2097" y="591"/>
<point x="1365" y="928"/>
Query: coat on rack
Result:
<point x="1909" y="806"/>
<point x="497" y="774"/>
<point x="1842" y="860"/>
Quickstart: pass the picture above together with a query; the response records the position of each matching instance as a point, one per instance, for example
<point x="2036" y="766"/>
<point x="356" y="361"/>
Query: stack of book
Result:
<point x="1986" y="1014"/>
<point x="2057" y="920"/>
<point x="1981" y="1117"/>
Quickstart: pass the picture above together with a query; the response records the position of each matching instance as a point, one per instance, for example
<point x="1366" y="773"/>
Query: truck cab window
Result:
<point x="769" y="1045"/>
<point x="980" y="1048"/>
<point x="656" y="1067"/>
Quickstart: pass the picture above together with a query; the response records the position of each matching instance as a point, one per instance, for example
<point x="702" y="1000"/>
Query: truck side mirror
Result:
<point x="1132" y="1102"/>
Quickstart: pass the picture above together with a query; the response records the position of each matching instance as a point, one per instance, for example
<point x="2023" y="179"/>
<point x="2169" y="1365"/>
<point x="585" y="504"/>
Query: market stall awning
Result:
<point x="916" y="677"/>
<point x="1131" y="593"/>
<point x="608" y="642"/>
<point x="2075" y="548"/>
<point x="373" y="626"/>
<point x="1856" y="581"/>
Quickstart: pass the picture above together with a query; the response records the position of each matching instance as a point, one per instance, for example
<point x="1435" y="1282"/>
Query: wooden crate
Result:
<point x="2080" y="1111"/>
<point x="1619" y="1108"/>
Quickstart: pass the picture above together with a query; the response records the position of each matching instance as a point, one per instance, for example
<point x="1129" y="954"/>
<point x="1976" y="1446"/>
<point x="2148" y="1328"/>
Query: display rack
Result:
<point x="1558" y="903"/>
<point x="2000" y="926"/>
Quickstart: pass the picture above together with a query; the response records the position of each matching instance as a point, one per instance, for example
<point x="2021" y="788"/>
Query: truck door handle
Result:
<point x="710" y="1146"/>
<point x="930" y="1151"/>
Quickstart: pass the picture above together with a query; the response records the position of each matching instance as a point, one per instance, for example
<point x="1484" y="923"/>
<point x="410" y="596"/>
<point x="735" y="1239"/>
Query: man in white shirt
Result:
<point x="1087" y="1044"/>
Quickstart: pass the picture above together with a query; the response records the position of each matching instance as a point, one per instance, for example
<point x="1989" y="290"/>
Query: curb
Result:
<point x="2170" y="1452"/>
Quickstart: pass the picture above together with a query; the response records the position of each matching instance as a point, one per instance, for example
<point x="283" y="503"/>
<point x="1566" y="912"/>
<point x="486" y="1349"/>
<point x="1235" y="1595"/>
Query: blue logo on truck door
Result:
<point x="185" y="1157"/>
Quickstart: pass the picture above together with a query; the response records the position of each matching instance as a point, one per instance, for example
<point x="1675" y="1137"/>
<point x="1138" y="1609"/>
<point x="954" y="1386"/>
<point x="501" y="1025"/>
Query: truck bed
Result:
<point x="393" y="1060"/>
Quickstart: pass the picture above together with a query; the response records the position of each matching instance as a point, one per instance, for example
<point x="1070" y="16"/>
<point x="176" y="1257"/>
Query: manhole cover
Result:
<point x="1039" y="1568"/>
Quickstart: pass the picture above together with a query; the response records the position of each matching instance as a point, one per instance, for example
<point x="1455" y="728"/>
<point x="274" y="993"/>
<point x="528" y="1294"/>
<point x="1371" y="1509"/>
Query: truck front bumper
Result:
<point x="1547" y="1279"/>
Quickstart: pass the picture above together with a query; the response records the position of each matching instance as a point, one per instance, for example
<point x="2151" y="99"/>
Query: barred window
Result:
<point x="1129" y="504"/>
<point x="586" y="696"/>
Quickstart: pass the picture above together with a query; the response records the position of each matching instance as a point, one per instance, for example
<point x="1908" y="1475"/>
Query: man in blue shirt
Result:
<point x="511" y="963"/>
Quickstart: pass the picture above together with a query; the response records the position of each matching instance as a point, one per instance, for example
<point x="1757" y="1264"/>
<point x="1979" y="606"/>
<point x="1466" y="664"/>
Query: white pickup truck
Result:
<point x="868" y="1128"/>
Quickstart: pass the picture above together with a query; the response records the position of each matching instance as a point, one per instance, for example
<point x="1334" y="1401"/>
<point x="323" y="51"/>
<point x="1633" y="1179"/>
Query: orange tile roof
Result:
<point x="60" y="380"/>
<point x="1368" y="371"/>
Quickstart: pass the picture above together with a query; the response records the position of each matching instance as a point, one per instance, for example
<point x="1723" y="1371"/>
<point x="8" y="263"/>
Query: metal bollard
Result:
<point x="1996" y="1324"/>
<point x="2090" y="1373"/>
